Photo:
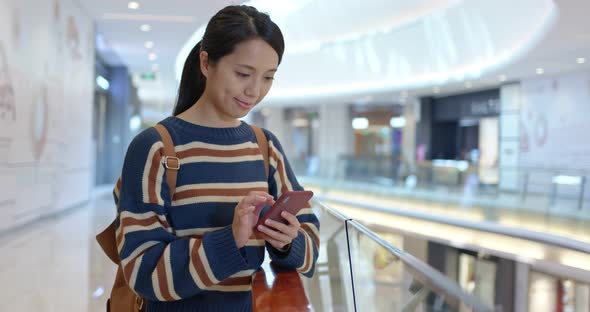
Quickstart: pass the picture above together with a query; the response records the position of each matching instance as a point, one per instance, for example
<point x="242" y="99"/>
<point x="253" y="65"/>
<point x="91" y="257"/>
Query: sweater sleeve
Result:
<point x="157" y="264"/>
<point x="303" y="252"/>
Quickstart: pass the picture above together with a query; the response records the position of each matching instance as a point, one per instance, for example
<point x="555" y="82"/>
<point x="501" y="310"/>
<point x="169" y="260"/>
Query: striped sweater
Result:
<point x="179" y="253"/>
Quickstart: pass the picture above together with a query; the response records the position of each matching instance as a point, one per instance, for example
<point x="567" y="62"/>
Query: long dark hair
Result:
<point x="227" y="28"/>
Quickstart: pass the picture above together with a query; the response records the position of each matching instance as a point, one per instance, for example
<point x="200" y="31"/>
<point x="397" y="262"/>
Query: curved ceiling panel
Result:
<point x="345" y="47"/>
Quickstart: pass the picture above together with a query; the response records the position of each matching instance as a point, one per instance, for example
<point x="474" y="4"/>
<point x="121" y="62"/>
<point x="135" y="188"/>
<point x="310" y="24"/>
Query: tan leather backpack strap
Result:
<point x="170" y="161"/>
<point x="263" y="145"/>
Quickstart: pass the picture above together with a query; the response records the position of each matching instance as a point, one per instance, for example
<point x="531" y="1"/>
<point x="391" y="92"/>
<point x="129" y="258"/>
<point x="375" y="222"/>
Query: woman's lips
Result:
<point x="244" y="105"/>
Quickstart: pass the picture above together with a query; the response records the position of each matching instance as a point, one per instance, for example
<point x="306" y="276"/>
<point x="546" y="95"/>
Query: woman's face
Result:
<point x="240" y="80"/>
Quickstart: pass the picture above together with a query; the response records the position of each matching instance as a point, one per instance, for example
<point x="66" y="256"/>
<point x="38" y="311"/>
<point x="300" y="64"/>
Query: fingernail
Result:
<point x="260" y="197"/>
<point x="267" y="222"/>
<point x="260" y="227"/>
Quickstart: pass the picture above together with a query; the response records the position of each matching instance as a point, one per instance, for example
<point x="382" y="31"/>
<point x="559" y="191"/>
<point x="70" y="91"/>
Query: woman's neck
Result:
<point x="203" y="113"/>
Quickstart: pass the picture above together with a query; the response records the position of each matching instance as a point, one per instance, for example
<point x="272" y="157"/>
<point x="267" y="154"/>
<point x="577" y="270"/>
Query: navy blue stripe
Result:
<point x="207" y="172"/>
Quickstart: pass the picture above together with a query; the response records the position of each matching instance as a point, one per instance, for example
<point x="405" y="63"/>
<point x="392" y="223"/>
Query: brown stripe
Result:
<point x="198" y="265"/>
<point x="215" y="192"/>
<point x="281" y="170"/>
<point x="118" y="185"/>
<point x="129" y="269"/>
<point x="237" y="281"/>
<point x="129" y="221"/>
<point x="193" y="152"/>
<point x="119" y="238"/>
<point x="161" y="270"/>
<point x="311" y="234"/>
<point x="154" y="167"/>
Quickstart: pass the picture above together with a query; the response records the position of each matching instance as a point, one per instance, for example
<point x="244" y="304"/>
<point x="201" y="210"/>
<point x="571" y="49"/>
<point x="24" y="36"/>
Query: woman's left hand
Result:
<point x="278" y="234"/>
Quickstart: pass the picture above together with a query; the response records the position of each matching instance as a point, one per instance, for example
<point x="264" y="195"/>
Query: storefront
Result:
<point x="462" y="130"/>
<point x="377" y="141"/>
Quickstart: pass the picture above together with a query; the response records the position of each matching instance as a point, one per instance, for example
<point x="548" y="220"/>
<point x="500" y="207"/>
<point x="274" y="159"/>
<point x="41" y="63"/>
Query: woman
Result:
<point x="197" y="251"/>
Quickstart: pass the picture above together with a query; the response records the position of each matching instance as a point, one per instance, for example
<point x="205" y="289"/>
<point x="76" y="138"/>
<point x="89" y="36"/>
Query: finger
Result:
<point x="245" y="210"/>
<point x="286" y="229"/>
<point x="274" y="234"/>
<point x="256" y="199"/>
<point x="291" y="218"/>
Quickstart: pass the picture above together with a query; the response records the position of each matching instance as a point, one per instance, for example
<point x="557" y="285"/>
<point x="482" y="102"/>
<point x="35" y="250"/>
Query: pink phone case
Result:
<point x="291" y="201"/>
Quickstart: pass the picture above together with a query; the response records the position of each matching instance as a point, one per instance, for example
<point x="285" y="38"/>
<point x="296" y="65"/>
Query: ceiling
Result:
<point x="346" y="50"/>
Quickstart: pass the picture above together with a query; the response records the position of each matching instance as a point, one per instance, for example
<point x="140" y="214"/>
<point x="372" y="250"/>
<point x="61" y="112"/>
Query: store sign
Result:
<point x="484" y="108"/>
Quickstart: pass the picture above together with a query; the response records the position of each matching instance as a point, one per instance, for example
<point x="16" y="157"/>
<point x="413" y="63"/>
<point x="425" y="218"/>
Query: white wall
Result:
<point x="554" y="122"/>
<point x="47" y="60"/>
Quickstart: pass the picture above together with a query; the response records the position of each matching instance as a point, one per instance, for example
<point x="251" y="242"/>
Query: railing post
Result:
<point x="582" y="189"/>
<point x="525" y="187"/>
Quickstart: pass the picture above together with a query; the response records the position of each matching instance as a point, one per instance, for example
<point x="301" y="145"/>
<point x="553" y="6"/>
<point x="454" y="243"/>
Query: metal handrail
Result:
<point x="423" y="272"/>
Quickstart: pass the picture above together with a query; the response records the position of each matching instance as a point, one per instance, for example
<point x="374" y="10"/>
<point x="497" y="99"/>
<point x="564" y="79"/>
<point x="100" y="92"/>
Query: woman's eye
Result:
<point x="242" y="74"/>
<point x="269" y="78"/>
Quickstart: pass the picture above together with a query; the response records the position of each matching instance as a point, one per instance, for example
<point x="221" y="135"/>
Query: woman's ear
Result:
<point x="204" y="61"/>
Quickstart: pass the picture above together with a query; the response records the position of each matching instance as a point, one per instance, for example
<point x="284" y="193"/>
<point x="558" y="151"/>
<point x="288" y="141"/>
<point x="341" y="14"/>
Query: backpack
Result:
<point x="122" y="298"/>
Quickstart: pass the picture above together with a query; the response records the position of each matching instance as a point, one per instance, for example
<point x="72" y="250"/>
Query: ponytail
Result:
<point x="192" y="82"/>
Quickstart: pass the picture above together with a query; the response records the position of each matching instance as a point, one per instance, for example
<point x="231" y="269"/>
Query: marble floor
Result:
<point x="54" y="264"/>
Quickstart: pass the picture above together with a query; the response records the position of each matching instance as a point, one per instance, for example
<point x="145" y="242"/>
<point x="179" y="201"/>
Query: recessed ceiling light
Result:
<point x="133" y="5"/>
<point x="155" y="67"/>
<point x="540" y="71"/>
<point x="502" y="78"/>
<point x="149" y="44"/>
<point x="436" y="90"/>
<point x="145" y="27"/>
<point x="581" y="60"/>
<point x="468" y="85"/>
<point x="152" y="56"/>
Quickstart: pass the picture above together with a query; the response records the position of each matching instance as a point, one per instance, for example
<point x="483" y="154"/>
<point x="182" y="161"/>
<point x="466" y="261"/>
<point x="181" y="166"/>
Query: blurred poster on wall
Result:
<point x="554" y="122"/>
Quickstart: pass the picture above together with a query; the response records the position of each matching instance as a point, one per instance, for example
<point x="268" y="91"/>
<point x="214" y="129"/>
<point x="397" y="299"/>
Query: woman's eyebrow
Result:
<point x="254" y="69"/>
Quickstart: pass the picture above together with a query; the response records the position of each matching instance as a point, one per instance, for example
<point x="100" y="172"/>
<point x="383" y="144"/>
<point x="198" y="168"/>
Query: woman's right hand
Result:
<point x="246" y="215"/>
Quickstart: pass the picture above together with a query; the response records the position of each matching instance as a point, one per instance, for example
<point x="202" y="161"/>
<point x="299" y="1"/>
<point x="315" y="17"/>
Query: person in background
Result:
<point x="197" y="250"/>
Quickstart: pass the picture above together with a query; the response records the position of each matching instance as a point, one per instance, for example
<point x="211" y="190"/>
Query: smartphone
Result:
<point x="290" y="201"/>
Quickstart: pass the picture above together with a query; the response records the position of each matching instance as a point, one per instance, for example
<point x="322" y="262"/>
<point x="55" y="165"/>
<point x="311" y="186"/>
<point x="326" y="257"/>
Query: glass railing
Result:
<point x="533" y="185"/>
<point x="538" y="199"/>
<point x="359" y="271"/>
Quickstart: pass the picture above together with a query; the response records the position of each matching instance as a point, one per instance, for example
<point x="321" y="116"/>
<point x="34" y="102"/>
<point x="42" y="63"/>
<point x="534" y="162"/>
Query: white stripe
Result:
<point x="215" y="159"/>
<point x="117" y="234"/>
<point x="244" y="273"/>
<point x="192" y="269"/>
<point x="305" y="211"/>
<point x="159" y="177"/>
<point x="136" y="228"/>
<point x="207" y="199"/>
<point x="216" y="147"/>
<point x="221" y="186"/>
<point x="116" y="190"/>
<point x="314" y="229"/>
<point x="133" y="277"/>
<point x="305" y="257"/>
<point x="137" y="251"/>
<point x="195" y="231"/>
<point x="282" y="160"/>
<point x="276" y="176"/>
<point x="156" y="286"/>
<point x="230" y="288"/>
<point x="169" y="278"/>
<point x="255" y="242"/>
<point x="206" y="265"/>
<point x="146" y="171"/>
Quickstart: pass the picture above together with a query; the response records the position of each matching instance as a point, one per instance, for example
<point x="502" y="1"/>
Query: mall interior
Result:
<point x="443" y="139"/>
